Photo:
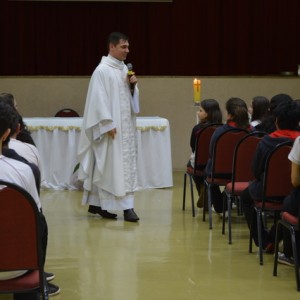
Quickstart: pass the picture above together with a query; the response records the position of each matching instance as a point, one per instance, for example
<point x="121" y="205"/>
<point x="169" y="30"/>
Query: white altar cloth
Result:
<point x="57" y="142"/>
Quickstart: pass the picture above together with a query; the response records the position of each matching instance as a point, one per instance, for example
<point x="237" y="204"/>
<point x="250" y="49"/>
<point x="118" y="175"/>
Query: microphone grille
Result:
<point x="130" y="67"/>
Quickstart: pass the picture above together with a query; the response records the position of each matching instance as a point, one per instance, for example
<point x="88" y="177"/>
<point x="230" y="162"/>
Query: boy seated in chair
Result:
<point x="19" y="173"/>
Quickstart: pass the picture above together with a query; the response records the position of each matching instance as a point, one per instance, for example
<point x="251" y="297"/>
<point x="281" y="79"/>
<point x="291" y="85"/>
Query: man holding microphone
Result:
<point x="108" y="148"/>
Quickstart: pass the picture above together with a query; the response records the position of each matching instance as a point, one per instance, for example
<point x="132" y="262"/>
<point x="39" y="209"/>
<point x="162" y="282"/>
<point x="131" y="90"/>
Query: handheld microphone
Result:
<point x="130" y="73"/>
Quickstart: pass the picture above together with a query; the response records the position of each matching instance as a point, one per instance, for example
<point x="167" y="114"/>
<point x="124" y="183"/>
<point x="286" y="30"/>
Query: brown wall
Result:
<point x="167" y="97"/>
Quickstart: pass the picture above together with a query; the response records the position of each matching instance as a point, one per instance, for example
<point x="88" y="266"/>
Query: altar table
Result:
<point x="57" y="142"/>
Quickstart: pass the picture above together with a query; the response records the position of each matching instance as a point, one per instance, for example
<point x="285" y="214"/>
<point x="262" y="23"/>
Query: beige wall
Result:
<point x="168" y="97"/>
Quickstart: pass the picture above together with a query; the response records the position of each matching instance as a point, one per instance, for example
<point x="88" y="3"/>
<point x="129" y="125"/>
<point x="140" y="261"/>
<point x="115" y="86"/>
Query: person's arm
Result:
<point x="295" y="175"/>
<point x="193" y="140"/>
<point x="294" y="157"/>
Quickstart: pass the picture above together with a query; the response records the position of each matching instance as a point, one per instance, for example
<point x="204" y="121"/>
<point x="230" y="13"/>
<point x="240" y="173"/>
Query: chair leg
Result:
<point x="223" y="214"/>
<point x="209" y="206"/>
<point x="228" y="199"/>
<point x="251" y="235"/>
<point x="276" y="250"/>
<point x="250" y="241"/>
<point x="192" y="196"/>
<point x="295" y="255"/>
<point x="259" y="235"/>
<point x="184" y="191"/>
<point x="229" y="206"/>
<point x="205" y="207"/>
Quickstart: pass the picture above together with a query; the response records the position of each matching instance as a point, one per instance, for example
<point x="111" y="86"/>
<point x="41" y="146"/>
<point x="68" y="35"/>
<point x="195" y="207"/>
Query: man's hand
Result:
<point x="112" y="133"/>
<point x="132" y="79"/>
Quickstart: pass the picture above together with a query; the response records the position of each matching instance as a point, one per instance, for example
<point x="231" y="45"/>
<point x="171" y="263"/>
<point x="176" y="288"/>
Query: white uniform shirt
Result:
<point x="26" y="150"/>
<point x="294" y="155"/>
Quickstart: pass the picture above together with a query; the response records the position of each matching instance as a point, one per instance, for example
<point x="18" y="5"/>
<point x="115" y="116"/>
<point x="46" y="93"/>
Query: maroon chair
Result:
<point x="201" y="157"/>
<point x="20" y="247"/>
<point x="222" y="160"/>
<point x="241" y="174"/>
<point x="66" y="113"/>
<point x="276" y="185"/>
<point x="292" y="224"/>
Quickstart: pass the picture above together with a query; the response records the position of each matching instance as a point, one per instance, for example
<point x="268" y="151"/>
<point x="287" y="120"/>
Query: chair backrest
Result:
<point x="66" y="112"/>
<point x="20" y="233"/>
<point x="202" y="145"/>
<point x="277" y="172"/>
<point x="243" y="156"/>
<point x="222" y="156"/>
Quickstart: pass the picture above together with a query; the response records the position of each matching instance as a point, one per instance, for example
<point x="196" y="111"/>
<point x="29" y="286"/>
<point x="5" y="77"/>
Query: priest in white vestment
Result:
<point x="108" y="147"/>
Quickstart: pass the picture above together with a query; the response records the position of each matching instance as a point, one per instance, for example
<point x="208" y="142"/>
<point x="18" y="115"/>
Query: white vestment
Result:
<point x="108" y="166"/>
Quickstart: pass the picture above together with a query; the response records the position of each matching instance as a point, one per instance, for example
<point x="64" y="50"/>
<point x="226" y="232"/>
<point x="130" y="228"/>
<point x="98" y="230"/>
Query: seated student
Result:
<point x="237" y="117"/>
<point x="19" y="173"/>
<point x="209" y="112"/>
<point x="24" y="134"/>
<point x="26" y="150"/>
<point x="259" y="110"/>
<point x="291" y="205"/>
<point x="268" y="123"/>
<point x="11" y="153"/>
<point x="287" y="117"/>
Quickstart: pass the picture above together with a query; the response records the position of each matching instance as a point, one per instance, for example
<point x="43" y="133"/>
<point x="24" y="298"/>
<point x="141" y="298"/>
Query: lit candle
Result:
<point x="197" y="90"/>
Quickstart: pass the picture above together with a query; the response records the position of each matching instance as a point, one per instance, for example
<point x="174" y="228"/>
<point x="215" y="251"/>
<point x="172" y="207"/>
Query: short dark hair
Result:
<point x="115" y="37"/>
<point x="8" y="99"/>
<point x="278" y="99"/>
<point x="287" y="115"/>
<point x="8" y="116"/>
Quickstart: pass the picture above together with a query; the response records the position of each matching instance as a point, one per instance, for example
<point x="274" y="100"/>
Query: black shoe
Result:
<point x="130" y="215"/>
<point x="53" y="289"/>
<point x="103" y="213"/>
<point x="49" y="276"/>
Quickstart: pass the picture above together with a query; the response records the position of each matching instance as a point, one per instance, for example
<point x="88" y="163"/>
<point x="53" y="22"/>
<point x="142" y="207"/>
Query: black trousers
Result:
<point x="251" y="218"/>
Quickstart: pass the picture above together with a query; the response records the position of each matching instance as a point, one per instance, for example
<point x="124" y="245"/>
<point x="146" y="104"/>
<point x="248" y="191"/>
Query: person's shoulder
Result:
<point x="297" y="141"/>
<point x="33" y="147"/>
<point x="15" y="167"/>
<point x="222" y="128"/>
<point x="19" y="145"/>
<point x="100" y="71"/>
<point x="17" y="164"/>
<point x="197" y="127"/>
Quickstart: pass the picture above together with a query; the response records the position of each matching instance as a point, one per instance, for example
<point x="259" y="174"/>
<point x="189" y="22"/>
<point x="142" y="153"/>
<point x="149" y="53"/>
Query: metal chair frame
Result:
<point x="292" y="224"/>
<point x="276" y="185"/>
<point x="201" y="157"/>
<point x="241" y="175"/>
<point x="21" y="244"/>
<point x="222" y="160"/>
